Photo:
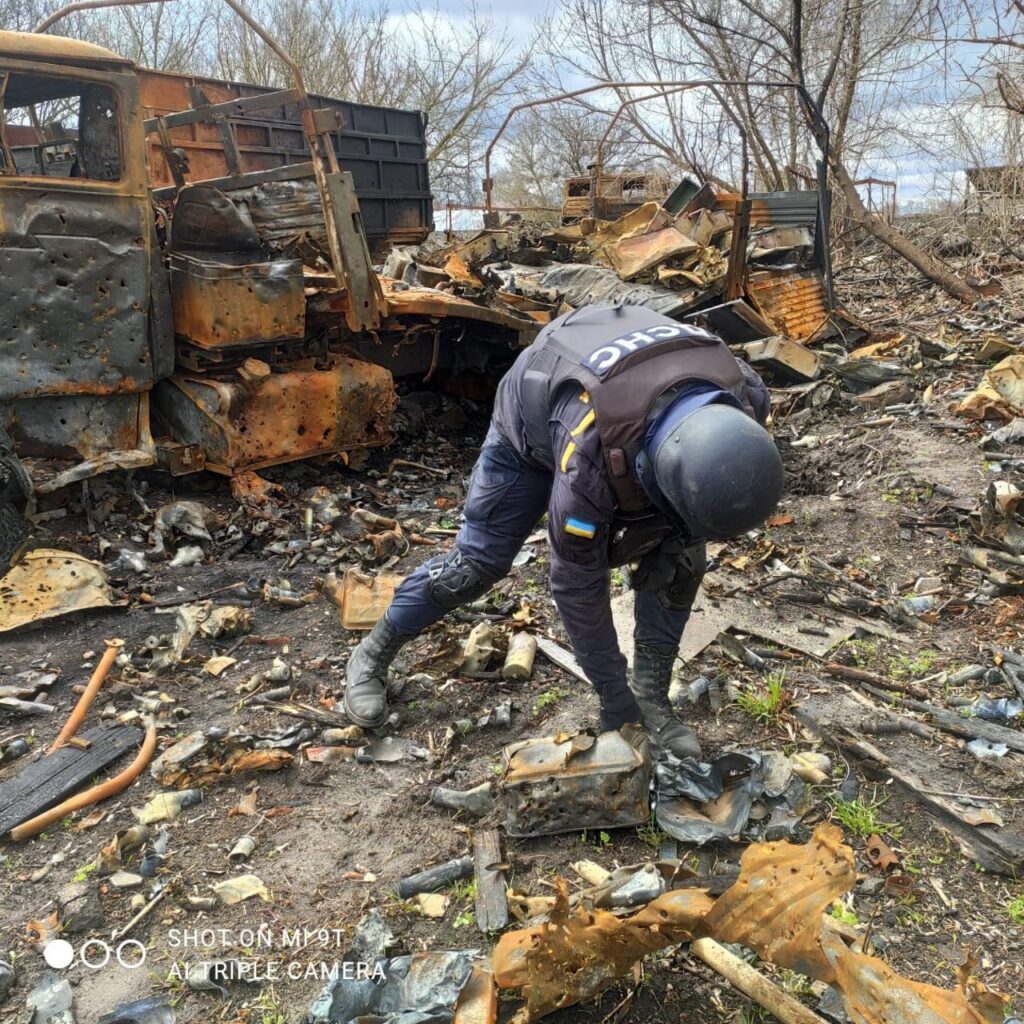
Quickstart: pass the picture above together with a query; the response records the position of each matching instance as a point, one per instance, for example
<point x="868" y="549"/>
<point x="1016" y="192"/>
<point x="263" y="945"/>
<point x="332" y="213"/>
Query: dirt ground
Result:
<point x="324" y="831"/>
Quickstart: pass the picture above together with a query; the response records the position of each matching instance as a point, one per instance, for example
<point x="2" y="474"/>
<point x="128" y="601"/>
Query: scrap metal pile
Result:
<point x="750" y="268"/>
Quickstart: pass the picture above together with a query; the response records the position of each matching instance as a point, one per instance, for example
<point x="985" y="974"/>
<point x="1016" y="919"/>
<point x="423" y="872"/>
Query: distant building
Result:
<point x="995" y="189"/>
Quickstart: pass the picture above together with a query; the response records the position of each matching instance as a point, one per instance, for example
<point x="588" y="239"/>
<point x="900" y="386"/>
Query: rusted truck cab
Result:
<point x="85" y="318"/>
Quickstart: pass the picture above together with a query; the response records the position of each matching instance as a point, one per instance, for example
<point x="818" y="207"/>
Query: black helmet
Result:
<point x="719" y="470"/>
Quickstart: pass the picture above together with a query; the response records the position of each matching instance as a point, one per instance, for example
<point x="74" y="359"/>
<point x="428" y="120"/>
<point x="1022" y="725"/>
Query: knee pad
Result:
<point x="455" y="580"/>
<point x="681" y="591"/>
<point x="674" y="572"/>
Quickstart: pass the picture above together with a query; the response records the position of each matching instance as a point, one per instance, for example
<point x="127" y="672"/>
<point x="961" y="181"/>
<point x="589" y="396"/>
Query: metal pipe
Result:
<point x="599" y="157"/>
<point x="300" y="83"/>
<point x="90" y="5"/>
<point x="89" y="695"/>
<point x="93" y="795"/>
<point x="730" y="113"/>
<point x="87" y="5"/>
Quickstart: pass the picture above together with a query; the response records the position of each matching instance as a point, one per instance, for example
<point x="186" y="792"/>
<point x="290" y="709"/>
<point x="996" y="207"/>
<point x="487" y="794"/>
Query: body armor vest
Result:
<point x="626" y="358"/>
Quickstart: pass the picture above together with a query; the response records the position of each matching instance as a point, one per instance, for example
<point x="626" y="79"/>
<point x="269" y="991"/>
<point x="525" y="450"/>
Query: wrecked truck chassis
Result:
<point x="94" y="338"/>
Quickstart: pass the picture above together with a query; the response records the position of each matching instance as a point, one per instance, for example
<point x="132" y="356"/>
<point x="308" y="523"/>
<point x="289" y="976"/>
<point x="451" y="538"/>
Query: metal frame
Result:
<point x="350" y="254"/>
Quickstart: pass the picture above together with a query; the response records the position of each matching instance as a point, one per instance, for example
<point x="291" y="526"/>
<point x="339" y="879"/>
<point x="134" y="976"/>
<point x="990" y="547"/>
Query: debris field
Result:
<point x="190" y="827"/>
<point x="854" y="665"/>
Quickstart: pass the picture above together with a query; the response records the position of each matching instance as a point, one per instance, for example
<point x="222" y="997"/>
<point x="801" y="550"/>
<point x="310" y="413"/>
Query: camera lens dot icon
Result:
<point x="58" y="954"/>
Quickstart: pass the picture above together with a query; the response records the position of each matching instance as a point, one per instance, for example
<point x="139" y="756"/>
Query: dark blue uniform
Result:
<point x="511" y="489"/>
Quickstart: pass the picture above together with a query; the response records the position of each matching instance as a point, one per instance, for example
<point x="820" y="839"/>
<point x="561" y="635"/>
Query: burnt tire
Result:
<point x="13" y="533"/>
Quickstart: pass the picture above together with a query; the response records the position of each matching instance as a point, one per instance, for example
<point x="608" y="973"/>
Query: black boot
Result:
<point x="366" y="676"/>
<point x="652" y="674"/>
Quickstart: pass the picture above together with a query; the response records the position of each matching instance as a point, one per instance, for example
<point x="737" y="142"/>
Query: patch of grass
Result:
<point x="862" y="651"/>
<point x="768" y="700"/>
<point x="464" y="920"/>
<point x="618" y="579"/>
<point x="1015" y="910"/>
<point x="920" y="665"/>
<point x="269" y="1009"/>
<point x="860" y="816"/>
<point x="85" y="871"/>
<point x="794" y="983"/>
<point x="753" y="1015"/>
<point x="464" y="890"/>
<point x="548" y="699"/>
<point x="651" y="834"/>
<point x="841" y="912"/>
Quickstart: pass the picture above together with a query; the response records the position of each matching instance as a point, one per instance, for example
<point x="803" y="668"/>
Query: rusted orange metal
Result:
<point x="219" y="304"/>
<point x="794" y="301"/>
<point x="425" y="302"/>
<point x="777" y="908"/>
<point x="58" y="50"/>
<point x="286" y="416"/>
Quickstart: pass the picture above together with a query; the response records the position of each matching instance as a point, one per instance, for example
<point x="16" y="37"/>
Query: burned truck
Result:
<point x="187" y="275"/>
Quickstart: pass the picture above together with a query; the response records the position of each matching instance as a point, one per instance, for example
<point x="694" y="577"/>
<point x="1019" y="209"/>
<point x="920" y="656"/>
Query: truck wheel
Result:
<point x="13" y="531"/>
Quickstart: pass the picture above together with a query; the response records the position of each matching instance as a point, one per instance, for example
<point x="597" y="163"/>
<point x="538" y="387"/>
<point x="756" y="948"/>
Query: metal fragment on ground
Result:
<point x="390" y="749"/>
<point x="47" y="584"/>
<point x="152" y="1010"/>
<point x="777" y="907"/>
<point x="568" y="783"/>
<point x="419" y="989"/>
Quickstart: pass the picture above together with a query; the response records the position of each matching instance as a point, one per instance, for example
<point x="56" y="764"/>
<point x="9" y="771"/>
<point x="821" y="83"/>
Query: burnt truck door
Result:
<point x="78" y="263"/>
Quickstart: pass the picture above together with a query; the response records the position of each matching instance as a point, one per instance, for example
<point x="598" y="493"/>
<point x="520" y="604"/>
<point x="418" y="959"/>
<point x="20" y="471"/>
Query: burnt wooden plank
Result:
<point x="491" y="901"/>
<point x="52" y="778"/>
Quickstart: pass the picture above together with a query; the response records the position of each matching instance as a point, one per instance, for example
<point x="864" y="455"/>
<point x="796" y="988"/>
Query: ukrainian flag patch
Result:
<point x="579" y="528"/>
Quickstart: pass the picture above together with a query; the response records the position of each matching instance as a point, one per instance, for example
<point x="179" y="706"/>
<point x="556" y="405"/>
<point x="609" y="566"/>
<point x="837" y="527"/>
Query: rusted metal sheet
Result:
<point x="283" y="417"/>
<point x="78" y="426"/>
<point x="77" y="353"/>
<point x="220" y="304"/>
<point x="575" y="957"/>
<point x="428" y="302"/>
<point x="777" y="908"/>
<point x="566" y="784"/>
<point x="616" y="194"/>
<point x="384" y="149"/>
<point x="793" y="300"/>
<point x="632" y="256"/>
<point x="778" y="209"/>
<point x="48" y="583"/>
<point x="32" y="46"/>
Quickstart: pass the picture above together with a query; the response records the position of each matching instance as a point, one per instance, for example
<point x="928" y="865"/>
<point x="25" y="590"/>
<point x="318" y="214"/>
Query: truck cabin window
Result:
<point x="55" y="127"/>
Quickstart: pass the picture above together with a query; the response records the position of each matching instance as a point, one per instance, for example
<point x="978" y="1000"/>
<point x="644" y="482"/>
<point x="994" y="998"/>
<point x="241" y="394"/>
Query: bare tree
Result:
<point x="461" y="71"/>
<point x="855" y="58"/>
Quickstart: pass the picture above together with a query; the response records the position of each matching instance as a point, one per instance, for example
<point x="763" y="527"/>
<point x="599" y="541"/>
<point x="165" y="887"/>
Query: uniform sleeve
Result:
<point x="756" y="392"/>
<point x="580" y="520"/>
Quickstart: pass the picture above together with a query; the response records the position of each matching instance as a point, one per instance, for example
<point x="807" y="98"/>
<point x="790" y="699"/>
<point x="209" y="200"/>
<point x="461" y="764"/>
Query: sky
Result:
<point x="925" y="164"/>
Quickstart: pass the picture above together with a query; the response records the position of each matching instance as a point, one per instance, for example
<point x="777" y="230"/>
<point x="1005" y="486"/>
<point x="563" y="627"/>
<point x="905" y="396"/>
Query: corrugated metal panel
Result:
<point x="794" y="300"/>
<point x="784" y="209"/>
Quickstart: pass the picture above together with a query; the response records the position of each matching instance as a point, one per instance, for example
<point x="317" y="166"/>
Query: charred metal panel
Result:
<point x="75" y="426"/>
<point x="286" y="416"/>
<point x="229" y="303"/>
<point x="205" y="218"/>
<point x="76" y="287"/>
<point x="579" y="782"/>
<point x="75" y="255"/>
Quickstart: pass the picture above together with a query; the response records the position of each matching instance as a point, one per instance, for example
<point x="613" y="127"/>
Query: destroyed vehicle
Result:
<point x="609" y="196"/>
<point x="229" y="318"/>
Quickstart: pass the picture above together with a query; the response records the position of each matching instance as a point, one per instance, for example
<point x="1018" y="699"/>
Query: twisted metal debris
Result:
<point x="777" y="907"/>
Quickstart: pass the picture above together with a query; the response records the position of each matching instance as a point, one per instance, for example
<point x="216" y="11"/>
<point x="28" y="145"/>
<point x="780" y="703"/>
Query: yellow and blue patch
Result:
<point x="580" y="528"/>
